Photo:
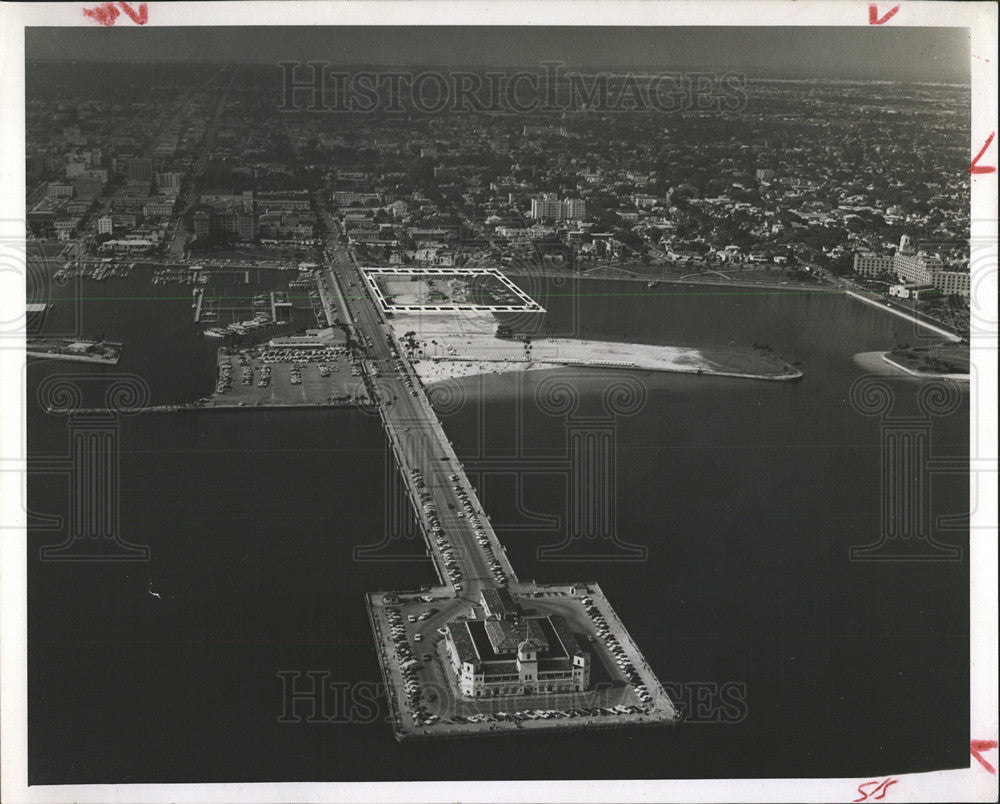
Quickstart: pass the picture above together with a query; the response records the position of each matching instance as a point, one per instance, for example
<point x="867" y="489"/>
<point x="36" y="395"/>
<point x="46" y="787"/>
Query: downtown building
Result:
<point x="140" y="168"/>
<point x="169" y="182"/>
<point x="89" y="184"/>
<point x="916" y="267"/>
<point x="867" y="263"/>
<point x="510" y="651"/>
<point x="283" y="201"/>
<point x="550" y="207"/>
<point x="234" y="221"/>
<point x="58" y="189"/>
<point x="158" y="208"/>
<point x="346" y="198"/>
<point x="230" y="217"/>
<point x="922" y="268"/>
<point x="202" y="221"/>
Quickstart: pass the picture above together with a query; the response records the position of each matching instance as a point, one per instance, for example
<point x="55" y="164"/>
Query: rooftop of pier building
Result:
<point x="495" y="638"/>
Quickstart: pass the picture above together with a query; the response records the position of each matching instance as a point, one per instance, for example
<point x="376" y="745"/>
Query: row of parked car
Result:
<point x="550" y="714"/>
<point x="414" y="694"/>
<point x="440" y="539"/>
<point x="477" y="526"/>
<point x="407" y="379"/>
<point x="617" y="651"/>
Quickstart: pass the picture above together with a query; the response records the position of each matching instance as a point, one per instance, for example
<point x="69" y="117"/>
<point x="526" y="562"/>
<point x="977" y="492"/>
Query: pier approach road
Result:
<point x="446" y="505"/>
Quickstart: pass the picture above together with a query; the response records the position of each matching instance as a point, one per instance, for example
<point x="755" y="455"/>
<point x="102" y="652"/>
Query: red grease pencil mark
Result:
<point x="107" y="13"/>
<point x="975" y="167"/>
<point x="976" y="747"/>
<point x="140" y="18"/>
<point x="874" y="19"/>
<point x="878" y="793"/>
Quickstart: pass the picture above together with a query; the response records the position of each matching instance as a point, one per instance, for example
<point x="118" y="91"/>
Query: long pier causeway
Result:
<point x="471" y="564"/>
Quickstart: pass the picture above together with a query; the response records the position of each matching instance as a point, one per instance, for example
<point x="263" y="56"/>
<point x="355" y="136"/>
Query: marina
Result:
<point x="181" y="276"/>
<point x="98" y="270"/>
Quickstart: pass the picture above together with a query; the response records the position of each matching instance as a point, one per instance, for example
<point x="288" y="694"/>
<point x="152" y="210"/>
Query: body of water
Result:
<point x="747" y="497"/>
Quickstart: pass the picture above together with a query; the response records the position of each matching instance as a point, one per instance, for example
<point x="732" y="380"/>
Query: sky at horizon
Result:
<point x="855" y="53"/>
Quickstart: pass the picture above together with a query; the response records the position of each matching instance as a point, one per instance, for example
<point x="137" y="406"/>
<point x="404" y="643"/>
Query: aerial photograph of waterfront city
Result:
<point x="464" y="404"/>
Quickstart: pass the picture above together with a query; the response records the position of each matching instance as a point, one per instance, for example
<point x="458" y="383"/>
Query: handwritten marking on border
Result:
<point x="107" y="13"/>
<point x="875" y="19"/>
<point x="975" y="167"/>
<point x="878" y="793"/>
<point x="976" y="748"/>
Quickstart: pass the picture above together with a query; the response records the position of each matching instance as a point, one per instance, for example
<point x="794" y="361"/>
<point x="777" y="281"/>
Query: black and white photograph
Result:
<point x="529" y="402"/>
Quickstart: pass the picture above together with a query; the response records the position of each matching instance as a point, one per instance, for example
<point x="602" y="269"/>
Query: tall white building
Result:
<point x="548" y="206"/>
<point x="870" y="264"/>
<point x="915" y="266"/>
<point x="919" y="268"/>
<point x="574" y="208"/>
<point x="949" y="282"/>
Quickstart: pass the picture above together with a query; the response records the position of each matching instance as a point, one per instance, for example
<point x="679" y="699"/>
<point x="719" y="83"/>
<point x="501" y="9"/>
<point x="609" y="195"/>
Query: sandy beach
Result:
<point x="432" y="371"/>
<point x="451" y="346"/>
<point x="873" y="363"/>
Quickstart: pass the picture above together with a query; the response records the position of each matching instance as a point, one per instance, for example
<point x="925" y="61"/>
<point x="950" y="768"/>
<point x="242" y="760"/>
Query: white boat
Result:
<point x="215" y="332"/>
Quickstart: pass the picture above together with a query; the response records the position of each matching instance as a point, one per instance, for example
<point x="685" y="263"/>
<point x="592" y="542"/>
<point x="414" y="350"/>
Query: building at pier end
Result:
<point x="512" y="651"/>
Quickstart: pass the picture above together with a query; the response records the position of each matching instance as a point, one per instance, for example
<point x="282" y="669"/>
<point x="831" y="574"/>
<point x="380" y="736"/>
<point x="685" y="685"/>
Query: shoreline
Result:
<point x="879" y="363"/>
<point x="485" y="367"/>
<point x="924" y="375"/>
<point x="734" y="283"/>
<point x="749" y="285"/>
<point x="951" y="336"/>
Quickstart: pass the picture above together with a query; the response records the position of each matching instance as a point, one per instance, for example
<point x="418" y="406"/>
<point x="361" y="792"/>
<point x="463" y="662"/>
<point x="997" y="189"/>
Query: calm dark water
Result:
<point x="746" y="495"/>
